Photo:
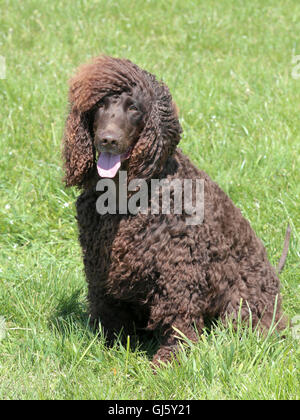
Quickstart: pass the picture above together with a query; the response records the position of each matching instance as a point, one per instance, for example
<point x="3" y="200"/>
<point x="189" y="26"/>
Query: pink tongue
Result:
<point x="108" y="165"/>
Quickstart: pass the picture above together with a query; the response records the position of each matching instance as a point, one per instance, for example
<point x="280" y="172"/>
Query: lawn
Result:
<point x="229" y="67"/>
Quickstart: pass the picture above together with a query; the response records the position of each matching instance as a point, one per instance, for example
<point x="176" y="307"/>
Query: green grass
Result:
<point x="228" y="65"/>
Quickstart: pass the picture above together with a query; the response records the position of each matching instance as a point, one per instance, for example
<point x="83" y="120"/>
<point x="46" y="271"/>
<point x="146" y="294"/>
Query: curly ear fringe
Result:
<point x="78" y="150"/>
<point x="149" y="153"/>
<point x="159" y="138"/>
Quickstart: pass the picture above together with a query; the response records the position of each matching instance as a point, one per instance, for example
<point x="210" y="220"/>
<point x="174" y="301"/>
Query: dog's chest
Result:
<point x="129" y="266"/>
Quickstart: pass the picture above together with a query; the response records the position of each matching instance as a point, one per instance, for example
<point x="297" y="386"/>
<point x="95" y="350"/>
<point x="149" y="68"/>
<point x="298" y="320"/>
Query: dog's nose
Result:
<point x="108" y="140"/>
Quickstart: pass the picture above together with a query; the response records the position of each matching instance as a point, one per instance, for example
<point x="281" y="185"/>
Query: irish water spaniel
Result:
<point x="154" y="270"/>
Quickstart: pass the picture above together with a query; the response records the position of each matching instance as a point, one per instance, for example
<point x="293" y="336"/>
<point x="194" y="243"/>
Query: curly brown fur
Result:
<point x="154" y="271"/>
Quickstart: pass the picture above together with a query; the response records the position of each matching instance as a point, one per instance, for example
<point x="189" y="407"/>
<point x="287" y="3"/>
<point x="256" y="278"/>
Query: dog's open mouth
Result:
<point x="108" y="164"/>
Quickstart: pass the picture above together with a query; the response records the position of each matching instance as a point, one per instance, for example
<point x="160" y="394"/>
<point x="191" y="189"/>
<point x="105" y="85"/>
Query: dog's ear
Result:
<point x="78" y="150"/>
<point x="158" y="139"/>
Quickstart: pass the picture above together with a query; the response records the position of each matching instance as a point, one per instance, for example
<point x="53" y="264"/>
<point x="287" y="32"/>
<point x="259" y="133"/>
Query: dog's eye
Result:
<point x="132" y="107"/>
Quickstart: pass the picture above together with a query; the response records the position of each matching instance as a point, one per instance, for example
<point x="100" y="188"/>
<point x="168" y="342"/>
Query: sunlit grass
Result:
<point x="228" y="66"/>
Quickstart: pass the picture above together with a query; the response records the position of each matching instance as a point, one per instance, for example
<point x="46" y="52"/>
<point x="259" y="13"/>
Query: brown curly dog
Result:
<point x="153" y="270"/>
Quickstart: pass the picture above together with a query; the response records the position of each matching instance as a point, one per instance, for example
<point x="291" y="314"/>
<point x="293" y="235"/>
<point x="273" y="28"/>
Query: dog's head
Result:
<point x="118" y="113"/>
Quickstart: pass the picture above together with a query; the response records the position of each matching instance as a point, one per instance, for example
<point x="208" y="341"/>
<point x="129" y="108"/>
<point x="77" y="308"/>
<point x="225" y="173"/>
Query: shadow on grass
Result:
<point x="70" y="311"/>
<point x="71" y="314"/>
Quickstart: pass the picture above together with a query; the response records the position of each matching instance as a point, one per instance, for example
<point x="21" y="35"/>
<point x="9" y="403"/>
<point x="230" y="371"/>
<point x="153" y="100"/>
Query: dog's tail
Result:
<point x="285" y="250"/>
